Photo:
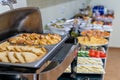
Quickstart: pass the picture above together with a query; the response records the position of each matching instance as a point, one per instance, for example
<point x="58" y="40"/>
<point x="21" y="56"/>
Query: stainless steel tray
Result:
<point x="37" y="64"/>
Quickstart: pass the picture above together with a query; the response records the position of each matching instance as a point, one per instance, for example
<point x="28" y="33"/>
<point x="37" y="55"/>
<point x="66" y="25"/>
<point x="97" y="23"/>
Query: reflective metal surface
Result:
<point x="27" y="19"/>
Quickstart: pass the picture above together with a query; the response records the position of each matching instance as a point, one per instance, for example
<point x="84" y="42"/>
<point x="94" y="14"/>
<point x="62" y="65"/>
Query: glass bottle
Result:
<point x="74" y="33"/>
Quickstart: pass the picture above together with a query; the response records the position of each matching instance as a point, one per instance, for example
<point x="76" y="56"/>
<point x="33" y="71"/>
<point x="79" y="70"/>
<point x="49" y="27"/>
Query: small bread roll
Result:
<point x="10" y="48"/>
<point x="17" y="48"/>
<point x="29" y="57"/>
<point x="44" y="50"/>
<point x="50" y="41"/>
<point x="12" y="58"/>
<point x="38" y="51"/>
<point x="3" y="46"/>
<point x="3" y="57"/>
<point x="26" y="48"/>
<point x="19" y="56"/>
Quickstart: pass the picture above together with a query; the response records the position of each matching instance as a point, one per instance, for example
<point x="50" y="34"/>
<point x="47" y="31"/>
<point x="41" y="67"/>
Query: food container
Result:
<point x="89" y="61"/>
<point x="90" y="69"/>
<point x="89" y="52"/>
<point x="107" y="28"/>
<point x="59" y="29"/>
<point x="92" y="41"/>
<point x="40" y="62"/>
<point x="85" y="27"/>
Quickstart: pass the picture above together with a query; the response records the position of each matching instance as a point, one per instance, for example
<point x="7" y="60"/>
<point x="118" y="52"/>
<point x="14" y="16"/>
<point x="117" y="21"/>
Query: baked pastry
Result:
<point x="98" y="22"/>
<point x="36" y="39"/>
<point x="92" y="41"/>
<point x="20" y="57"/>
<point x="96" y="33"/>
<point x="20" y="54"/>
<point x="11" y="57"/>
<point x="3" y="57"/>
<point x="106" y="34"/>
<point x="29" y="57"/>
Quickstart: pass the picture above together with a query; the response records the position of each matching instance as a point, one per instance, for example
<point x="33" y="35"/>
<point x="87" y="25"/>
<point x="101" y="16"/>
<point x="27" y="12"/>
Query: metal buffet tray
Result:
<point x="37" y="64"/>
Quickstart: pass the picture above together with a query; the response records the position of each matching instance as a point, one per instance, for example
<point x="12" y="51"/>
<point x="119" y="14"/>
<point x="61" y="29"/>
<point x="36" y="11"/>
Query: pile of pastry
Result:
<point x="36" y="39"/>
<point x="96" y="33"/>
<point x="26" y="47"/>
<point x="92" y="41"/>
<point x="20" y="54"/>
<point x="93" y="38"/>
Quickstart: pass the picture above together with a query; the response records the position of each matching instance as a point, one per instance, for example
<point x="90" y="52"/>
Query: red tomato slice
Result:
<point x="91" y="53"/>
<point x="92" y="50"/>
<point x="102" y="54"/>
<point x="97" y="54"/>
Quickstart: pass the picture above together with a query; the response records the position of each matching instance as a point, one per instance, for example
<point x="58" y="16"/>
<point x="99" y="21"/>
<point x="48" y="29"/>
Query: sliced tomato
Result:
<point x="97" y="54"/>
<point x="92" y="50"/>
<point x="92" y="53"/>
<point x="102" y="54"/>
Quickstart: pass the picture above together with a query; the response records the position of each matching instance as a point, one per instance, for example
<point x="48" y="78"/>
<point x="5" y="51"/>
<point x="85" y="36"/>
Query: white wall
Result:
<point x="63" y="9"/>
<point x="20" y="3"/>
<point x="51" y="9"/>
<point x="115" y="5"/>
